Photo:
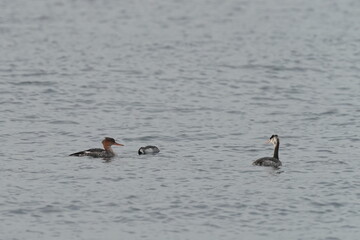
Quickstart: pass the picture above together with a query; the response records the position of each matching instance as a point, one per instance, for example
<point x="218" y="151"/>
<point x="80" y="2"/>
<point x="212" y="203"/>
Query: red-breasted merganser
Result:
<point x="271" y="161"/>
<point x="148" y="150"/>
<point x="107" y="152"/>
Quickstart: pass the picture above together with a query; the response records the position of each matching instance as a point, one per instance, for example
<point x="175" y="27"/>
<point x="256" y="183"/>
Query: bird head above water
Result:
<point x="108" y="142"/>
<point x="274" y="139"/>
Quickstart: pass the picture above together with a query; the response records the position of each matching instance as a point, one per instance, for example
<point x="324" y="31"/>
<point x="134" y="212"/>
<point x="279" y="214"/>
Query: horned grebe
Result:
<point x="148" y="150"/>
<point x="271" y="161"/>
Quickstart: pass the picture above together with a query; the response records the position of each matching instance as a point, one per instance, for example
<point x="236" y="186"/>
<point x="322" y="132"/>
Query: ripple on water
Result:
<point x="35" y="83"/>
<point x="61" y="122"/>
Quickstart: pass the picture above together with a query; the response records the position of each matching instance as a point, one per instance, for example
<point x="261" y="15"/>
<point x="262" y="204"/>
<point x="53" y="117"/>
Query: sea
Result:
<point x="206" y="81"/>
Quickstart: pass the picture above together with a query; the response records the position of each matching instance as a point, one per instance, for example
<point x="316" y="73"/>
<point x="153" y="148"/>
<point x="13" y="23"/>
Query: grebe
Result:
<point x="148" y="150"/>
<point x="271" y="161"/>
<point x="107" y="152"/>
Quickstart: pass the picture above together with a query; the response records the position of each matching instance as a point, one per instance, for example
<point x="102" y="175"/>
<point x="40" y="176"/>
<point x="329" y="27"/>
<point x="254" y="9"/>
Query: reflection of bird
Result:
<point x="148" y="150"/>
<point x="271" y="161"/>
<point x="107" y="152"/>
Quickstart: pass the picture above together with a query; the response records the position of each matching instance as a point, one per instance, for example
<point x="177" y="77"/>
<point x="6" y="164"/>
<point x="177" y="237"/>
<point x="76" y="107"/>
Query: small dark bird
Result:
<point x="271" y="161"/>
<point x="107" y="152"/>
<point x="148" y="150"/>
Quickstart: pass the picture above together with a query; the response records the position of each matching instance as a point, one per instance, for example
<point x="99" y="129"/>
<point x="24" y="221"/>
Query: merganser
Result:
<point x="271" y="161"/>
<point x="148" y="150"/>
<point x="107" y="152"/>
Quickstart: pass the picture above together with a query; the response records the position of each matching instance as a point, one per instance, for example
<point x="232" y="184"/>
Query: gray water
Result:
<point x="206" y="81"/>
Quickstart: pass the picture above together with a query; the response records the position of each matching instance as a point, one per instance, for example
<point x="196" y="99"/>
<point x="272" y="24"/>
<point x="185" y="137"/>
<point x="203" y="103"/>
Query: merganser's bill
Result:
<point x="107" y="152"/>
<point x="148" y="150"/>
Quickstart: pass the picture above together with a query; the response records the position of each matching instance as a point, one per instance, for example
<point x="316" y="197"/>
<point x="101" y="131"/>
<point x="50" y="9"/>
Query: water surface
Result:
<point x="206" y="82"/>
